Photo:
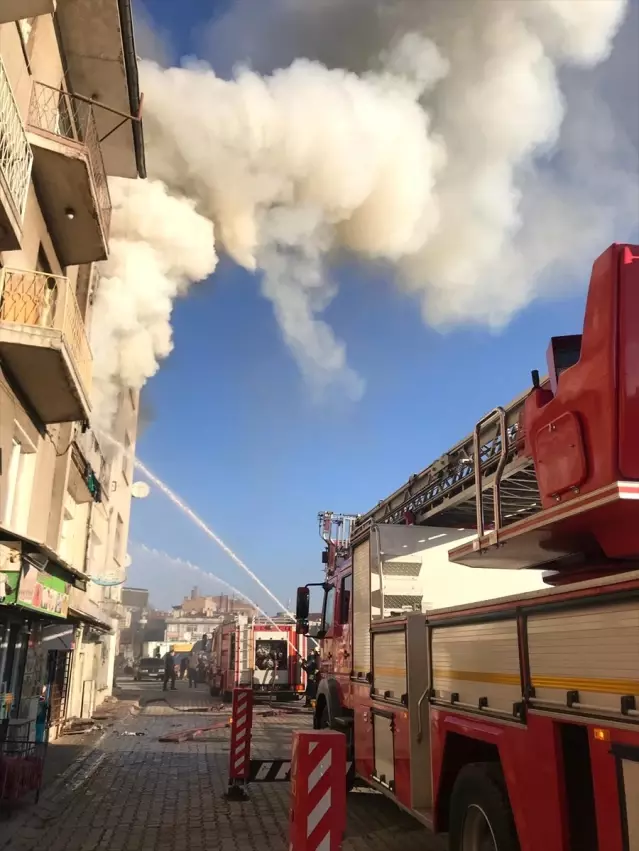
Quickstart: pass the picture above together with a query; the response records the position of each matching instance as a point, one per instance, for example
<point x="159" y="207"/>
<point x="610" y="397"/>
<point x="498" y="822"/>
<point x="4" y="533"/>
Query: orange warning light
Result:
<point x="601" y="735"/>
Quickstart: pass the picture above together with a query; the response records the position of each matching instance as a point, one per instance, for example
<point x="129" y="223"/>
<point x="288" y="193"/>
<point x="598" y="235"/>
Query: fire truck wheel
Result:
<point x="480" y="814"/>
<point x="325" y="719"/>
<point x="325" y="724"/>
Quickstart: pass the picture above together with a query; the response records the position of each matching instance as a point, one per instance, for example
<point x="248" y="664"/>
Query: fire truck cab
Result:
<point x="480" y="635"/>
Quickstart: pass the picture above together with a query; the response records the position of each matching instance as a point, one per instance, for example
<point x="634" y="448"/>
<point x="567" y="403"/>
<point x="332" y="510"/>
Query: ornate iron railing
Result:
<point x="47" y="301"/>
<point x="16" y="156"/>
<point x="66" y="116"/>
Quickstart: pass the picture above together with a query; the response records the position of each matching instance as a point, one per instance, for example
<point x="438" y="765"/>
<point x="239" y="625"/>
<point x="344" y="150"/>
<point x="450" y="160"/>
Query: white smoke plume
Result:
<point x="424" y="159"/>
<point x="159" y="245"/>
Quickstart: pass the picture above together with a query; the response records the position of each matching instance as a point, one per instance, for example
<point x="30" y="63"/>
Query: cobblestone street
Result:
<point x="134" y="793"/>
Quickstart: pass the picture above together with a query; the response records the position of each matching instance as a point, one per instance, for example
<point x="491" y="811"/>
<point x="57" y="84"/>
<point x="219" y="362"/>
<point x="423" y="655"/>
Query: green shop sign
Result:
<point x="9" y="580"/>
<point x="42" y="592"/>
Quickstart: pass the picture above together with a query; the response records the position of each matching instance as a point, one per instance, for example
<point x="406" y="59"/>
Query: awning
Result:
<point x="58" y="637"/>
<point x="43" y="558"/>
<point x="83" y="609"/>
<point x="86" y="618"/>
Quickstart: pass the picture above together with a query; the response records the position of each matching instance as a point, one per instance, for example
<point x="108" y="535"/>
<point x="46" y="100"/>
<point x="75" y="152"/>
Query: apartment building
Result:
<point x="68" y="94"/>
<point x="210" y="605"/>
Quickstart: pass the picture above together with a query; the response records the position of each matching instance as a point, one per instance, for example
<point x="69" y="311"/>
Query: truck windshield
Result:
<point x="328" y="615"/>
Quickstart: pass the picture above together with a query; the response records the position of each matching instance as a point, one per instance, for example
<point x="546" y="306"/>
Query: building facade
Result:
<point x="198" y="616"/>
<point x="197" y="604"/>
<point x="68" y="81"/>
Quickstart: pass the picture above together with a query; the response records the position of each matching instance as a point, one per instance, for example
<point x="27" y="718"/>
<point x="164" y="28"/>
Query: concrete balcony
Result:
<point x="15" y="10"/>
<point x="113" y="609"/>
<point x="93" y="33"/>
<point x="69" y="174"/>
<point x="16" y="159"/>
<point x="43" y="343"/>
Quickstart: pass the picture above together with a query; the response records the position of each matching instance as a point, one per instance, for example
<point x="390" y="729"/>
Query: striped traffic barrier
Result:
<point x="276" y="770"/>
<point x="318" y="791"/>
<point x="240" y="752"/>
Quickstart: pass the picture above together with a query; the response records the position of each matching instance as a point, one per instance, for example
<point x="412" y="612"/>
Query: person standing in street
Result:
<point x="311" y="666"/>
<point x="169" y="669"/>
<point x="184" y="665"/>
<point x="192" y="672"/>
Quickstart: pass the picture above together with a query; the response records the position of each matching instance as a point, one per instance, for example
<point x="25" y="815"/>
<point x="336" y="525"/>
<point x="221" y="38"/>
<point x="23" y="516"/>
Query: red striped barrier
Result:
<point x="318" y="791"/>
<point x="240" y="753"/>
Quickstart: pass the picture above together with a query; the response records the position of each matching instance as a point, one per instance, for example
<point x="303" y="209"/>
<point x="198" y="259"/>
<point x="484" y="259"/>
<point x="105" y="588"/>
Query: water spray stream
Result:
<point x="212" y="576"/>
<point x="175" y="499"/>
<point x="185" y="509"/>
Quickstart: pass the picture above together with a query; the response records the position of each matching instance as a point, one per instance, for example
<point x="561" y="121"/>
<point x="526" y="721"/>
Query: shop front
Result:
<point x="35" y="606"/>
<point x="36" y="637"/>
<point x="36" y="648"/>
<point x="92" y="677"/>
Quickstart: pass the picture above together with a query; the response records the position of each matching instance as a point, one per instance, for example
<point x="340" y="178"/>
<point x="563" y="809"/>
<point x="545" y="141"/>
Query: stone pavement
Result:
<point x="133" y="793"/>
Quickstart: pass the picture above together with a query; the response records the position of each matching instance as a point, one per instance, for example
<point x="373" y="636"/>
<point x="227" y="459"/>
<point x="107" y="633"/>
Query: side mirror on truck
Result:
<point x="302" y="609"/>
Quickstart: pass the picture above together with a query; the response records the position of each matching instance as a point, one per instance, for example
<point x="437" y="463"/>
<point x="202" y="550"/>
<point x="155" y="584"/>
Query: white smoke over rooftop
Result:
<point x="426" y="159"/>
<point x="159" y="245"/>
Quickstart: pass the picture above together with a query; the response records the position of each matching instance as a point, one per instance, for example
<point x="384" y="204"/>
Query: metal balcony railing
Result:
<point x="16" y="156"/>
<point x="41" y="300"/>
<point x="66" y="116"/>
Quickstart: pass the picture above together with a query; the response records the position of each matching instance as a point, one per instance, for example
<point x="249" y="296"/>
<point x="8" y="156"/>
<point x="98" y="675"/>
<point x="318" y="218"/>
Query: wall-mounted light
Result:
<point x="69" y="212"/>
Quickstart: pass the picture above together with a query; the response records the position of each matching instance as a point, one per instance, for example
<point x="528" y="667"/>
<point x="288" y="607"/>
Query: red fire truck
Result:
<point x="511" y="723"/>
<point x="260" y="652"/>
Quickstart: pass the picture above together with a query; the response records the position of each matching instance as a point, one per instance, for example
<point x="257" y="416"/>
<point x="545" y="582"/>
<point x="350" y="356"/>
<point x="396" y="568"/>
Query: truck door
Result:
<point x="336" y="657"/>
<point x="327" y="631"/>
<point x="342" y="628"/>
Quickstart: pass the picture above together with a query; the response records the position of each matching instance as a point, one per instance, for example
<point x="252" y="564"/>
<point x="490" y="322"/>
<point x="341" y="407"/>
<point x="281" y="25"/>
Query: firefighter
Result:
<point x="311" y="666"/>
<point x="169" y="669"/>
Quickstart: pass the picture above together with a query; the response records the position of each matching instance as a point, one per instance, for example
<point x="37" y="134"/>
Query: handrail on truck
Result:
<point x="503" y="457"/>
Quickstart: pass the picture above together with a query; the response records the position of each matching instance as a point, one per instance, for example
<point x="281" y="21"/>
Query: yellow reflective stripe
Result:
<point x="593" y="684"/>
<point x="478" y="677"/>
<point x="379" y="670"/>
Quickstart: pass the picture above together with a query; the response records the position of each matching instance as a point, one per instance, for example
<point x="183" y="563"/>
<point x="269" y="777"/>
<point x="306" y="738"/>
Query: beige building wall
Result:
<point x="42" y="496"/>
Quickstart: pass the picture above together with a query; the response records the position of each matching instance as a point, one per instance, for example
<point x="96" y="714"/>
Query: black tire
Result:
<point x="325" y="719"/>
<point x="480" y="799"/>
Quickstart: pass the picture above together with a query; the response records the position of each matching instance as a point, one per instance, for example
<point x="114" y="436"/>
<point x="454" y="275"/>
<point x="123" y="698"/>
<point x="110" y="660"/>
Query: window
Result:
<point x="345" y="598"/>
<point x="126" y="459"/>
<point x="43" y="264"/>
<point x="95" y="554"/>
<point x="118" y="541"/>
<point x="19" y="488"/>
<point x="26" y="27"/>
<point x="328" y="615"/>
<point x="65" y="546"/>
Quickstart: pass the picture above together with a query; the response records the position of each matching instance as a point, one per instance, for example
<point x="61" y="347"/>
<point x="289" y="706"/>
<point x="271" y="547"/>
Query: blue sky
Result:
<point x="236" y="433"/>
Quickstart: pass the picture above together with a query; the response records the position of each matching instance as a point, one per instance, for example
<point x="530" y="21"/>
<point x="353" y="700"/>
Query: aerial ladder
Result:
<point x="550" y="480"/>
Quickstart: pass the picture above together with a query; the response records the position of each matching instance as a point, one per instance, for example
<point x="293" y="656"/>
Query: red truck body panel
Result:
<point x="571" y="734"/>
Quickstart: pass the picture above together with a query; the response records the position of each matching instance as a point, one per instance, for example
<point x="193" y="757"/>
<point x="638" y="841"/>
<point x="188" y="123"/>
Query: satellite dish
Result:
<point x="140" y="490"/>
<point x="127" y="561"/>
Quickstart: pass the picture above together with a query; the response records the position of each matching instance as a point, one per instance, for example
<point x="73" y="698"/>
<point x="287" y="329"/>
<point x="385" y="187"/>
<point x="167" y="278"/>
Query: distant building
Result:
<point x="209" y="605"/>
<point x="188" y="629"/>
<point x="142" y="623"/>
